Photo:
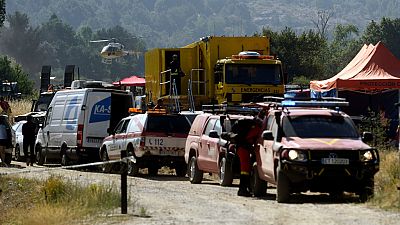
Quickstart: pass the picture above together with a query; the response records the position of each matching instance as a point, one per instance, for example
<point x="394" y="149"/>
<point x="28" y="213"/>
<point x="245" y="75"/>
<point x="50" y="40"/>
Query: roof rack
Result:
<point x="231" y="109"/>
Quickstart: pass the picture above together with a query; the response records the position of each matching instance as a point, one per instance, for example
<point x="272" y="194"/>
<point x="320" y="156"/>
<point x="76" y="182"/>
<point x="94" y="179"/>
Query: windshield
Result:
<point x="168" y="124"/>
<point x="43" y="102"/>
<point x="319" y="127"/>
<point x="252" y="74"/>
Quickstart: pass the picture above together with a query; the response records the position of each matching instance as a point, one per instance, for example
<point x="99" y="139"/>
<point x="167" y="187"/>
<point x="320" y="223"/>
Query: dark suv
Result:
<point x="315" y="149"/>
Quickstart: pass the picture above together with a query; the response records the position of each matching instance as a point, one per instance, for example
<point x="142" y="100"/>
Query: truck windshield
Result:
<point x="319" y="127"/>
<point x="252" y="74"/>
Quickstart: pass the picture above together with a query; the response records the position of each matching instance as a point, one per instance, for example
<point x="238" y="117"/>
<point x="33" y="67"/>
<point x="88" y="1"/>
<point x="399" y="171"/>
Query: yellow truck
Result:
<point x="216" y="70"/>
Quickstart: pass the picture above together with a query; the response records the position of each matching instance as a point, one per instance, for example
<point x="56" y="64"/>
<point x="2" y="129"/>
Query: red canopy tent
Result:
<point x="373" y="68"/>
<point x="131" y="81"/>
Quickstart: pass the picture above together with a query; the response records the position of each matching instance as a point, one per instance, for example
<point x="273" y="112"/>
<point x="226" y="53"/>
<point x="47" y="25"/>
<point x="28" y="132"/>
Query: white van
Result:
<point x="77" y="121"/>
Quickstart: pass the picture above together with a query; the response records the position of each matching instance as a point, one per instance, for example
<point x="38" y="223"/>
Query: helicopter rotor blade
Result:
<point x="98" y="41"/>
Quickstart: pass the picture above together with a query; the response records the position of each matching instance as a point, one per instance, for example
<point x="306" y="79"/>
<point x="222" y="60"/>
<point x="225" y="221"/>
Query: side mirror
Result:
<point x="213" y="134"/>
<point x="267" y="135"/>
<point x="110" y="131"/>
<point x="367" y="136"/>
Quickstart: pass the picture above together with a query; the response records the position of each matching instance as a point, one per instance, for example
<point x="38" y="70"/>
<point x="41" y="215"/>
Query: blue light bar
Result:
<point x="287" y="103"/>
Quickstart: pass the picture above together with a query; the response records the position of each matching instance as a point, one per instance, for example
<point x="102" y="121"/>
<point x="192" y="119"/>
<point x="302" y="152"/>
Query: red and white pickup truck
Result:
<point x="206" y="150"/>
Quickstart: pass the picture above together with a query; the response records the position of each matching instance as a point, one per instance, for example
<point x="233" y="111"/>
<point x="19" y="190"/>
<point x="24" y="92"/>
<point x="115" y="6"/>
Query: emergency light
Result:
<point x="289" y="103"/>
<point x="252" y="55"/>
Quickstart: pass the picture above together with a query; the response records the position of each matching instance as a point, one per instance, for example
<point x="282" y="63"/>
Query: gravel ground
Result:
<point x="167" y="199"/>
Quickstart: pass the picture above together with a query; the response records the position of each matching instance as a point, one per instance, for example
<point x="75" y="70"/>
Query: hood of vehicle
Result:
<point x="324" y="143"/>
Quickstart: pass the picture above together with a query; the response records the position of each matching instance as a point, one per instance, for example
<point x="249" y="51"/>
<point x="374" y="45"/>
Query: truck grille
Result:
<point x="317" y="155"/>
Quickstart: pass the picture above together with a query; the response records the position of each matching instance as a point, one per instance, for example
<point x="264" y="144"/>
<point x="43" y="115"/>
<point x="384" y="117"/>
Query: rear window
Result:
<point x="319" y="127"/>
<point x="168" y="124"/>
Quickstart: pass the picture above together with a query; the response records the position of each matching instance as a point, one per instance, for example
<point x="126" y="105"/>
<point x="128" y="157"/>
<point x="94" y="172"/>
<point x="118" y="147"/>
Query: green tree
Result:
<point x="2" y="12"/>
<point x="343" y="47"/>
<point x="14" y="72"/>
<point x="387" y="31"/>
<point x="302" y="55"/>
<point x="22" y="42"/>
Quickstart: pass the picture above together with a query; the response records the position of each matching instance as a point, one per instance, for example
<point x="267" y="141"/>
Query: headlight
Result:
<point x="366" y="156"/>
<point x="297" y="155"/>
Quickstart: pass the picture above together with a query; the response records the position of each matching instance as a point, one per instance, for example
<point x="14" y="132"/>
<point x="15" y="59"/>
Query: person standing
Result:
<point x="248" y="131"/>
<point x="176" y="73"/>
<point x="29" y="132"/>
<point x="6" y="109"/>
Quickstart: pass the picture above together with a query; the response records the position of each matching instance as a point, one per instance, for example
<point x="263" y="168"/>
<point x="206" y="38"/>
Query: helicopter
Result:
<point x="113" y="50"/>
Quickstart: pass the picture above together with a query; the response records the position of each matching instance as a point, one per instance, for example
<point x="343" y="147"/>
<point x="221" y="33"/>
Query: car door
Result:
<point x="43" y="134"/>
<point x="207" y="149"/>
<point x="119" y="139"/>
<point x="266" y="153"/>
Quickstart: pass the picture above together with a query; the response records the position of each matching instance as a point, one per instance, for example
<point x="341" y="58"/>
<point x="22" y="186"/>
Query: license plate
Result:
<point x="159" y="142"/>
<point x="335" y="161"/>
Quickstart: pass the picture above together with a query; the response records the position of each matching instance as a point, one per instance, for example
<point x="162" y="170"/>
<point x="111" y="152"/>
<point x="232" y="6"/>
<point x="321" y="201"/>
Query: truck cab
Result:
<point x="246" y="77"/>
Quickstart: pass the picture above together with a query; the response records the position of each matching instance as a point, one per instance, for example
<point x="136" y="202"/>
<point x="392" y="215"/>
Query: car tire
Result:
<point x="195" y="175"/>
<point x="282" y="187"/>
<point x="225" y="172"/>
<point x="8" y="158"/>
<point x="181" y="170"/>
<point x="133" y="168"/>
<point x="367" y="192"/>
<point x="64" y="158"/>
<point x="17" y="154"/>
<point x="152" y="170"/>
<point x="105" y="168"/>
<point x="40" y="157"/>
<point x="259" y="185"/>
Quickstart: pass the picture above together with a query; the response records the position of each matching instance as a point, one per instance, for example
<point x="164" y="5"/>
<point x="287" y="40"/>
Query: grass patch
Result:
<point x="53" y="201"/>
<point x="386" y="182"/>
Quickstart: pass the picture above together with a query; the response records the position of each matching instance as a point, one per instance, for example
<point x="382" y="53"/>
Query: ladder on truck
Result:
<point x="190" y="96"/>
<point x="169" y="85"/>
<point x="175" y="106"/>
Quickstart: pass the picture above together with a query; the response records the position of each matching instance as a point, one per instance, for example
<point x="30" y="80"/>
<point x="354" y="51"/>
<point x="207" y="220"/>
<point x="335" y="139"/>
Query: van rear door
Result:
<point x="120" y="104"/>
<point x="97" y="118"/>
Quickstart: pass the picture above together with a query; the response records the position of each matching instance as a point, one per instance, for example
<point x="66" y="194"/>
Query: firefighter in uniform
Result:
<point x="248" y="131"/>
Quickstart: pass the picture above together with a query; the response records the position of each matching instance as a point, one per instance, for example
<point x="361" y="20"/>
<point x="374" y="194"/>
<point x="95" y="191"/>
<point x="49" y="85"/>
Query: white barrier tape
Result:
<point x="124" y="160"/>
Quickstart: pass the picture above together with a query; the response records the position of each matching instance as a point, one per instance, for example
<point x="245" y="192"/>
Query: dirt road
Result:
<point x="166" y="199"/>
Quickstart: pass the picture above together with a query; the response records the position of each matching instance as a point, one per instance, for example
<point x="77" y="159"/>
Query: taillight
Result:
<point x="142" y="141"/>
<point x="79" y="135"/>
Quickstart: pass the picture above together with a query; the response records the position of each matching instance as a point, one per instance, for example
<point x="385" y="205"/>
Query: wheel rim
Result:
<point x="38" y="152"/>
<point x="132" y="168"/>
<point x="192" y="169"/>
<point x="17" y="154"/>
<point x="104" y="159"/>
<point x="64" y="159"/>
<point x="222" y="170"/>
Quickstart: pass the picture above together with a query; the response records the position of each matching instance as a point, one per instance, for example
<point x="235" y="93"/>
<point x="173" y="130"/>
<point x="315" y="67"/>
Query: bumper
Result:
<point x="326" y="178"/>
